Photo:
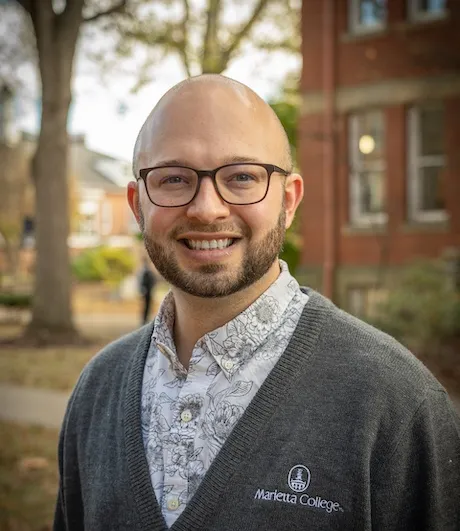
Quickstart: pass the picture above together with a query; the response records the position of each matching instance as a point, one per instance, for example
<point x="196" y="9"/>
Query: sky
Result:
<point x="110" y="116"/>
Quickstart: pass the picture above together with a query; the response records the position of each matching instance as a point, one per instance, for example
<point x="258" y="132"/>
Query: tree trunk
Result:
<point x="211" y="60"/>
<point x="52" y="310"/>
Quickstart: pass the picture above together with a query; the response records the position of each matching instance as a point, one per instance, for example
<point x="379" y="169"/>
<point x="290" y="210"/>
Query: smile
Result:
<point x="206" y="245"/>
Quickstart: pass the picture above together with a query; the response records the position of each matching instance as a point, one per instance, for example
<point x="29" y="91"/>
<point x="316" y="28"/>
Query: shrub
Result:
<point x="456" y="319"/>
<point x="15" y="300"/>
<point x="105" y="264"/>
<point x="421" y="311"/>
<point x="291" y="250"/>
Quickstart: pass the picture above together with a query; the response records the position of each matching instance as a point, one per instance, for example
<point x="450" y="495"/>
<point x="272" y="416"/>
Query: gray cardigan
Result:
<point x="348" y="432"/>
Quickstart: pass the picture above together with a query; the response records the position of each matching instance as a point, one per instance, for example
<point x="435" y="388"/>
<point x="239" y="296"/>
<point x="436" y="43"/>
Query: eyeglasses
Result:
<point x="236" y="184"/>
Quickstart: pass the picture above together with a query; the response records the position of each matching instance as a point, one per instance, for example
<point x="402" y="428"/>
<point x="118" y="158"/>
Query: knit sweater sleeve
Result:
<point x="69" y="508"/>
<point x="418" y="486"/>
<point x="88" y="414"/>
<point x="59" y="514"/>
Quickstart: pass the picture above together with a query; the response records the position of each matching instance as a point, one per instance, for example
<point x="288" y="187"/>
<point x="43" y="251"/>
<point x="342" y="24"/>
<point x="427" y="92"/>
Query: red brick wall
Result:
<point x="403" y="242"/>
<point x="120" y="213"/>
<point x="312" y="44"/>
<point x="311" y="209"/>
<point x="453" y="161"/>
<point x="402" y="50"/>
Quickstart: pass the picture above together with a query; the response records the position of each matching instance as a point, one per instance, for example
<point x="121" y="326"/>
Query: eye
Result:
<point x="174" y="179"/>
<point x="242" y="177"/>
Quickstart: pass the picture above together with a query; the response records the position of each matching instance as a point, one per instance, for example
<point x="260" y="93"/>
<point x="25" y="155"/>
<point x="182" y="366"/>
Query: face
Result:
<point x="246" y="239"/>
<point x="216" y="273"/>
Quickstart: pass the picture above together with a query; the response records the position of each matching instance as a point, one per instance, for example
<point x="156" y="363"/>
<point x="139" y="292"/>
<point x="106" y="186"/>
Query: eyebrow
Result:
<point x="228" y="160"/>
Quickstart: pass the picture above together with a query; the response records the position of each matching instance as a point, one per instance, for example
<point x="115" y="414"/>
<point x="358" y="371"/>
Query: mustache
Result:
<point x="214" y="228"/>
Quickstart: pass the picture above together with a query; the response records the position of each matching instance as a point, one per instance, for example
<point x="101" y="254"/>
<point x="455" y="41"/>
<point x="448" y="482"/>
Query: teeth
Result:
<point x="206" y="244"/>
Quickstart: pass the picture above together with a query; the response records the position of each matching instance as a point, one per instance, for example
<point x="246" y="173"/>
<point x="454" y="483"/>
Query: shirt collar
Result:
<point x="234" y="343"/>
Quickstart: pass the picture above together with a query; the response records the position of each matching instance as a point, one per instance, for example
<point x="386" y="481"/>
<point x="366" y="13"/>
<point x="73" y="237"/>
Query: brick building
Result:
<point x="379" y="141"/>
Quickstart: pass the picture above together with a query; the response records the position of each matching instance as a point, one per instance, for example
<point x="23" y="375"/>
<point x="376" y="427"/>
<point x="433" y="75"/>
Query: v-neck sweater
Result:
<point x="349" y="431"/>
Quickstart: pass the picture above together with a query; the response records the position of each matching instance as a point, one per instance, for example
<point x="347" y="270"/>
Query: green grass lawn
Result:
<point x="55" y="368"/>
<point x="28" y="477"/>
<point x="58" y="368"/>
<point x="47" y="368"/>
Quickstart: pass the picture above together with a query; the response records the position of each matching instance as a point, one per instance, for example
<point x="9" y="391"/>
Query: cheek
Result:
<point x="262" y="217"/>
<point x="160" y="221"/>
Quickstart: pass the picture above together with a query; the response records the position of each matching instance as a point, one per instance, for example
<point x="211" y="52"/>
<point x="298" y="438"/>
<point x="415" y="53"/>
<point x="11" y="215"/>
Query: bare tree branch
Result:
<point x="43" y="18"/>
<point x="68" y="22"/>
<point x="290" y="45"/>
<point x="183" y="49"/>
<point x="211" y="43"/>
<point x="117" y="8"/>
<point x="261" y="5"/>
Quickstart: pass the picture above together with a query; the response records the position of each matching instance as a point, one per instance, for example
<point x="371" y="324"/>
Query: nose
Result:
<point x="208" y="206"/>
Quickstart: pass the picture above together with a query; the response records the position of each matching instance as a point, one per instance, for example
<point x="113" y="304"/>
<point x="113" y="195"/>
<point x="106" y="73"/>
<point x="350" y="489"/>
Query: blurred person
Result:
<point x="250" y="402"/>
<point x="147" y="282"/>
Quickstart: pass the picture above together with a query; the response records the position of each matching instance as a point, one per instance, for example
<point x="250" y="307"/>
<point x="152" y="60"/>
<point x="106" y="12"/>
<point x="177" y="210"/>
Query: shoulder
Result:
<point x="370" y="356"/>
<point x="117" y="353"/>
<point x="369" y="379"/>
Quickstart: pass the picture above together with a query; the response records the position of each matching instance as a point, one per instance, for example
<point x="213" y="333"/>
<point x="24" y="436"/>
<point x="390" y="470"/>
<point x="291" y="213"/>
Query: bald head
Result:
<point x="211" y="120"/>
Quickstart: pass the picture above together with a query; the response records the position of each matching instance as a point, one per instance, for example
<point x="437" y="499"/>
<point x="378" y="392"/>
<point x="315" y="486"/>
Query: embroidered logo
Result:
<point x="299" y="478"/>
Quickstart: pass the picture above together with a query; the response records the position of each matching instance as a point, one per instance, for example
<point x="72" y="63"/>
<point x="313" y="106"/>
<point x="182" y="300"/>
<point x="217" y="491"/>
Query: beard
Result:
<point x="218" y="280"/>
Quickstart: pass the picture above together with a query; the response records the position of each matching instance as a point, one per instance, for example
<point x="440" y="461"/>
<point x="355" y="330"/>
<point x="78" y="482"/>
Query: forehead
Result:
<point x="208" y="128"/>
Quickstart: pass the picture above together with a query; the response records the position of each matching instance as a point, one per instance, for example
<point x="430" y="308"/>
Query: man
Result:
<point x="147" y="283"/>
<point x="249" y="403"/>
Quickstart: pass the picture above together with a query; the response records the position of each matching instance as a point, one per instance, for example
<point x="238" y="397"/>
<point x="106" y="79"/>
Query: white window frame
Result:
<point x="415" y="162"/>
<point x="88" y="217"/>
<point x="359" y="295"/>
<point x="368" y="298"/>
<point x="356" y="27"/>
<point x="357" y="217"/>
<point x="106" y="218"/>
<point x="416" y="14"/>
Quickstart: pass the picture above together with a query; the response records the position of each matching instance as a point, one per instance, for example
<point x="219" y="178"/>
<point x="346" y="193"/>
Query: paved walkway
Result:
<point x="47" y="407"/>
<point x="43" y="407"/>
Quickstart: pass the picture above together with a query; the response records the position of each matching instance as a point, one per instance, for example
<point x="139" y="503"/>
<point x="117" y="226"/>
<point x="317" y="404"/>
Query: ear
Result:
<point x="132" y="194"/>
<point x="293" y="194"/>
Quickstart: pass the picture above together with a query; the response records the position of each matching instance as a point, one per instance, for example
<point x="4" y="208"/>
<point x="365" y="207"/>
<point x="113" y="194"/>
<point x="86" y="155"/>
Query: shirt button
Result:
<point x="228" y="365"/>
<point x="172" y="504"/>
<point x="186" y="415"/>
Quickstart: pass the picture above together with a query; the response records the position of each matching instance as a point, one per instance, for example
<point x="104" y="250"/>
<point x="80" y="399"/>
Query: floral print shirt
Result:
<point x="188" y="415"/>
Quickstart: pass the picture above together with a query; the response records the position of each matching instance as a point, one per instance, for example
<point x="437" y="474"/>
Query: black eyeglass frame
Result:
<point x="270" y="169"/>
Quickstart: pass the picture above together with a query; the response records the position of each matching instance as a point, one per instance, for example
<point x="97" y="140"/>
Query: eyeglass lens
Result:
<point x="237" y="184"/>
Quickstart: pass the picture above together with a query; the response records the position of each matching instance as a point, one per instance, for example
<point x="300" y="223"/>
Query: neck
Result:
<point x="197" y="316"/>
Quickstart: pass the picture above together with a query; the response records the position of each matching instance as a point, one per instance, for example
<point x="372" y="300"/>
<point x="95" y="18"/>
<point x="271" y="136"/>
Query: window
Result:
<point x="426" y="163"/>
<point x="427" y="9"/>
<point x="106" y="218"/>
<point x="367" y="15"/>
<point x="357" y="301"/>
<point x="367" y="169"/>
<point x="365" y="301"/>
<point x="88" y="218"/>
